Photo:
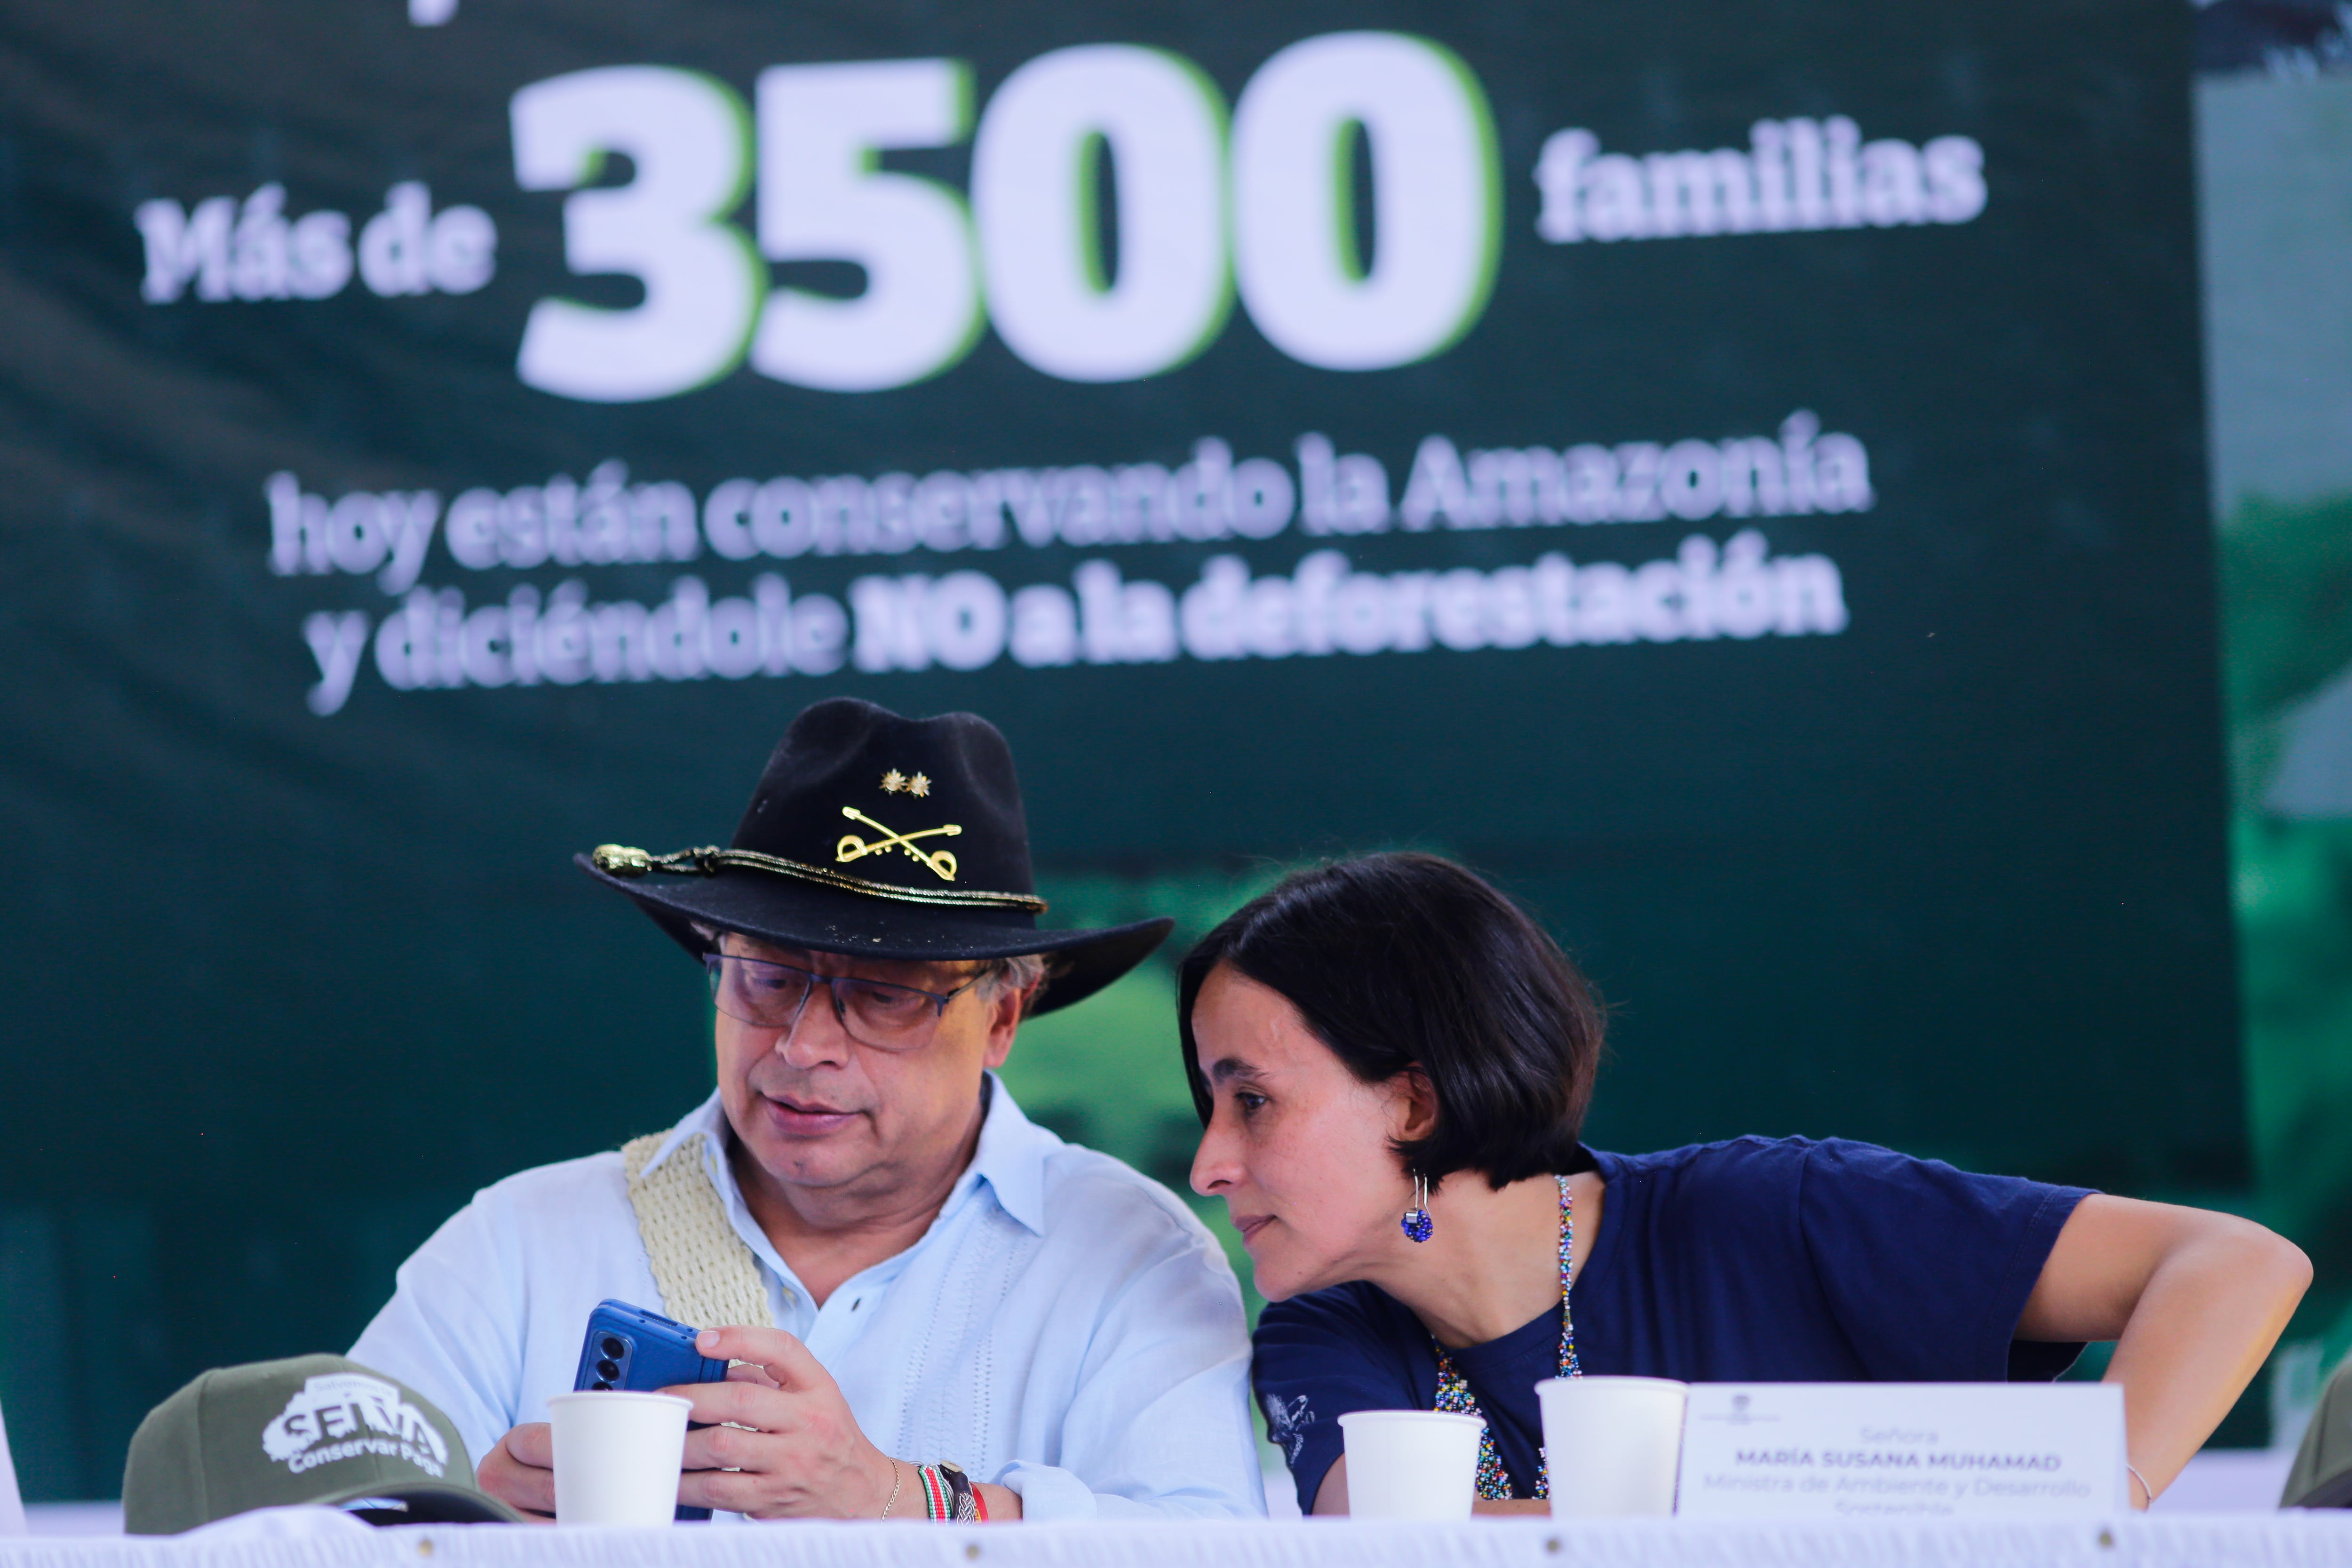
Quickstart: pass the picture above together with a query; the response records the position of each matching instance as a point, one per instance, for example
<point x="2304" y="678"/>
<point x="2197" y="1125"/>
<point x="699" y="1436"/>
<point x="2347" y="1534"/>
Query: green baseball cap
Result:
<point x="2322" y="1477"/>
<point x="316" y="1429"/>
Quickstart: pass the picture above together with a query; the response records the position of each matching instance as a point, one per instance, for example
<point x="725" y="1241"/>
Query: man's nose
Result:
<point x="815" y="1037"/>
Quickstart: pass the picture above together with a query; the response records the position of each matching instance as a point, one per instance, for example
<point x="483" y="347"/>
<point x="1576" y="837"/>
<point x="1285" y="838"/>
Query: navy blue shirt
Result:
<point x="1759" y="1260"/>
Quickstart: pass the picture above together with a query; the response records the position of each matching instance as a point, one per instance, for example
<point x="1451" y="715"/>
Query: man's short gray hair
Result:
<point x="1022" y="972"/>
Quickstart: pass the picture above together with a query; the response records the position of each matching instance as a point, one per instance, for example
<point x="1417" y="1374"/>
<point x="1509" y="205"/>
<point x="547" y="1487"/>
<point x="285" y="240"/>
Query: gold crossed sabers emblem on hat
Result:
<point x="853" y="847"/>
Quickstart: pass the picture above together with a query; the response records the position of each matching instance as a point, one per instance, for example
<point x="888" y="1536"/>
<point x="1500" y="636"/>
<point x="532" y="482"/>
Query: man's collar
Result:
<point x="1011" y="1157"/>
<point x="710" y="1119"/>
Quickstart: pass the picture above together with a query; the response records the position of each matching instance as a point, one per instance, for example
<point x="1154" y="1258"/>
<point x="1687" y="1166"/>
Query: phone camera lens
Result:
<point x="608" y="1369"/>
<point x="615" y="1348"/>
<point x="602" y="1386"/>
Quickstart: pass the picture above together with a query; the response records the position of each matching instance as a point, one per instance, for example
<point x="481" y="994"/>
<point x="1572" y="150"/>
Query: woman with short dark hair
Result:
<point x="1393" y="1063"/>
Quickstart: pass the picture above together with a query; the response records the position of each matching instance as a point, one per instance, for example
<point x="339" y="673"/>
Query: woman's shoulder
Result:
<point x="1737" y="1176"/>
<point x="1728" y="1160"/>
<point x="1752" y="1157"/>
<point x="1811" y="1181"/>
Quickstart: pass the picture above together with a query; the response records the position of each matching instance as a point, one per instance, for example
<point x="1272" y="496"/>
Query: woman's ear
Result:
<point x="1412" y="1106"/>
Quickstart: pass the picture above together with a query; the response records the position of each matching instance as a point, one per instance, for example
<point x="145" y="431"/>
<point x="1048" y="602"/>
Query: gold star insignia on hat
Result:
<point x="893" y="782"/>
<point x="919" y="784"/>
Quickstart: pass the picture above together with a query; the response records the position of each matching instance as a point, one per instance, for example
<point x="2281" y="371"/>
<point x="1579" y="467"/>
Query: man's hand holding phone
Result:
<point x="780" y="1441"/>
<point x="789" y="1449"/>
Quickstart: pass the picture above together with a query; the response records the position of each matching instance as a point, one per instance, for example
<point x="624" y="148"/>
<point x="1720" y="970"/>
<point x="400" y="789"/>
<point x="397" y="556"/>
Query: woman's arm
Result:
<point x="1331" y="1497"/>
<point x="2193" y="1299"/>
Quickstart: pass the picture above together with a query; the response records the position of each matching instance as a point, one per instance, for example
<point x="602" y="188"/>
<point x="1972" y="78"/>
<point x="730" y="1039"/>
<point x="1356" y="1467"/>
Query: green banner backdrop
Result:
<point x="1734" y="474"/>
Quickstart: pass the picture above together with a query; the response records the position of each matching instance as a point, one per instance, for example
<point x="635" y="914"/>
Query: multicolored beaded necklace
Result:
<point x="1454" y="1390"/>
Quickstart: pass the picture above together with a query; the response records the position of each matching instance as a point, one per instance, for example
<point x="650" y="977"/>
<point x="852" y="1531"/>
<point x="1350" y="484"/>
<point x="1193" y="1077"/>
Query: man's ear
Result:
<point x="1005" y="1022"/>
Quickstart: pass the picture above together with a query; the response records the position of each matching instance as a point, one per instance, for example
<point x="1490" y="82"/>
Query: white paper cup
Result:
<point x="1411" y="1464"/>
<point x="617" y="1456"/>
<point x="1612" y="1445"/>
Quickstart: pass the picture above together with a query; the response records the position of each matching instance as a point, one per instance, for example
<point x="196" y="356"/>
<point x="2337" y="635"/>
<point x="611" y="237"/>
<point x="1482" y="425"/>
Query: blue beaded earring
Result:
<point x="1416" y="1218"/>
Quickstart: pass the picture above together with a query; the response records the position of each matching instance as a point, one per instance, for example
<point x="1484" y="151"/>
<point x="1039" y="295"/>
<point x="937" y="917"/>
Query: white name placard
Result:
<point x="1917" y="1450"/>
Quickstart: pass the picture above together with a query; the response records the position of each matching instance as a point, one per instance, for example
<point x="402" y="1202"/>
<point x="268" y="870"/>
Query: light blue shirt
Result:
<point x="1065" y="1326"/>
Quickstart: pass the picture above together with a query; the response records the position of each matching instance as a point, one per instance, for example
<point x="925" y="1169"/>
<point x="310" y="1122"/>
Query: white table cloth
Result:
<point x="2233" y="1540"/>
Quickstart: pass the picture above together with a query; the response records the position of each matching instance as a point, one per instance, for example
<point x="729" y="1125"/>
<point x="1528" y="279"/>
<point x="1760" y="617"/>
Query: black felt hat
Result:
<point x="890" y="837"/>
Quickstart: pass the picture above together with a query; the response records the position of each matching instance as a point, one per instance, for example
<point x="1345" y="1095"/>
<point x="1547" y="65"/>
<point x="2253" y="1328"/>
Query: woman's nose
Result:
<point x="1214" y="1165"/>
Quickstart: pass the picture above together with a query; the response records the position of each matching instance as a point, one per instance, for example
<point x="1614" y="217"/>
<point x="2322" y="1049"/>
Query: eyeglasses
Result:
<point x="772" y="996"/>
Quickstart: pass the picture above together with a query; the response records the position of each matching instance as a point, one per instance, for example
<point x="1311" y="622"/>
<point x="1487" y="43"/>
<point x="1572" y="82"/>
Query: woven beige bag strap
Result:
<point x="707" y="1276"/>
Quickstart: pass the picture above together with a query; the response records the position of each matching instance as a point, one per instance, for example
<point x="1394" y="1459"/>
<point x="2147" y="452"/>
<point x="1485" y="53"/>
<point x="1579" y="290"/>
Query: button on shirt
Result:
<point x="1065" y="1326"/>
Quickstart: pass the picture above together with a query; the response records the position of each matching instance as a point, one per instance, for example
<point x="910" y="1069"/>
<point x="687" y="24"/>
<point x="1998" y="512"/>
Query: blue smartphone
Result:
<point x="628" y="1347"/>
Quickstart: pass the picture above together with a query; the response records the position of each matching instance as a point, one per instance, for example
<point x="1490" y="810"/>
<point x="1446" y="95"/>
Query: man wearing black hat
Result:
<point x="945" y="1310"/>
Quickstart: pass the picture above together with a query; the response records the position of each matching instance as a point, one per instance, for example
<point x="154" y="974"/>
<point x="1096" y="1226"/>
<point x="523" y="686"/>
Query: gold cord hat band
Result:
<point x="620" y="860"/>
